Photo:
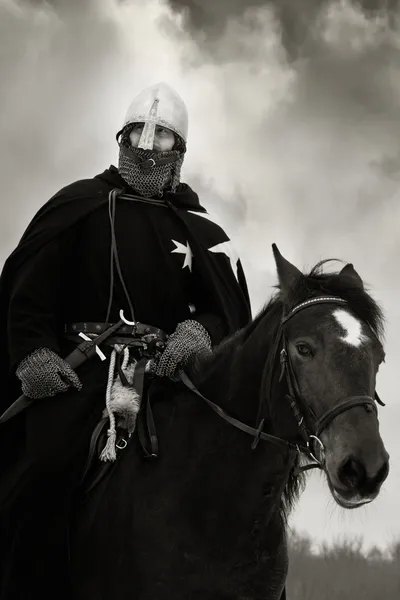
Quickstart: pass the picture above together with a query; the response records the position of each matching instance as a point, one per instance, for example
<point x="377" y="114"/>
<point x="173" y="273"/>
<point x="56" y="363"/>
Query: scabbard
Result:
<point x="78" y="356"/>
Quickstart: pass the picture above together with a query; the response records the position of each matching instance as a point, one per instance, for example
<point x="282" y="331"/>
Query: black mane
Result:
<point x="333" y="283"/>
<point x="317" y="283"/>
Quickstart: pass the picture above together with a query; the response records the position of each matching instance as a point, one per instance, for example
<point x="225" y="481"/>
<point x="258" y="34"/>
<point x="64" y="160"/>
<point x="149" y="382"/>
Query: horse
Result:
<point x="293" y="390"/>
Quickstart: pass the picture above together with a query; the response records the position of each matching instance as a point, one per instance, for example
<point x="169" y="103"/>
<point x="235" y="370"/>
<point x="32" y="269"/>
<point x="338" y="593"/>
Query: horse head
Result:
<point x="330" y="347"/>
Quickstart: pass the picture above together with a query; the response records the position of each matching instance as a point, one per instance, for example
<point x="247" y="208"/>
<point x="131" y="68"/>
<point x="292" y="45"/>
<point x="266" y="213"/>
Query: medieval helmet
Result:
<point x="161" y="105"/>
<point x="147" y="171"/>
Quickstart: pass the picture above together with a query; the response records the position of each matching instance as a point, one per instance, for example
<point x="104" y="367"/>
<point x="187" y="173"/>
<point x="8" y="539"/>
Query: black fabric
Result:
<point x="60" y="270"/>
<point x="38" y="484"/>
<point x="60" y="273"/>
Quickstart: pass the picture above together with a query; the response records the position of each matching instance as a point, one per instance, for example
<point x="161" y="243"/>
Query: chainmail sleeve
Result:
<point x="44" y="374"/>
<point x="189" y="343"/>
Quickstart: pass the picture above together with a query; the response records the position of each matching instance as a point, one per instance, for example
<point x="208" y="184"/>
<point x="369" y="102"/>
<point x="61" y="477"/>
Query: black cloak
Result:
<point x="226" y="294"/>
<point x="47" y="444"/>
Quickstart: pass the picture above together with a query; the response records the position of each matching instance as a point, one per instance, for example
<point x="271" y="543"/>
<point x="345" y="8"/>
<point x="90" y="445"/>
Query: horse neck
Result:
<point x="235" y="376"/>
<point x="234" y="380"/>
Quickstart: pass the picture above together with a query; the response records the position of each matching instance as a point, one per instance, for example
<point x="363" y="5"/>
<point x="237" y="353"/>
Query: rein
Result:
<point x="258" y="434"/>
<point x="309" y="424"/>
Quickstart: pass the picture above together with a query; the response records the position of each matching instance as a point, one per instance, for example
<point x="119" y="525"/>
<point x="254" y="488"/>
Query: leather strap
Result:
<point x="350" y="402"/>
<point x="96" y="328"/>
<point x="102" y="468"/>
<point x="258" y="434"/>
<point x="129" y="342"/>
<point x="143" y="200"/>
<point x="145" y="424"/>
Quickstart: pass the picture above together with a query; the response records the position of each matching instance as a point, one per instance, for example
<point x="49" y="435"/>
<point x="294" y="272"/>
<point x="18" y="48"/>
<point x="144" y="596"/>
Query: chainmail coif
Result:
<point x="150" y="182"/>
<point x="43" y="374"/>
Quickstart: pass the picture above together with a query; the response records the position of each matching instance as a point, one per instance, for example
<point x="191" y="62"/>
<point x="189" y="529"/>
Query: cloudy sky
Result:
<point x="294" y="138"/>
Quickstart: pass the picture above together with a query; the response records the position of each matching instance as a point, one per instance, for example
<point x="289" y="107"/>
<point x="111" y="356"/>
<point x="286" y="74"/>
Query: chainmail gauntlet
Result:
<point x="189" y="342"/>
<point x="43" y="373"/>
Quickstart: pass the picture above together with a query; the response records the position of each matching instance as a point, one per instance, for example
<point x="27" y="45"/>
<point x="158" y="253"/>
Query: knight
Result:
<point x="132" y="258"/>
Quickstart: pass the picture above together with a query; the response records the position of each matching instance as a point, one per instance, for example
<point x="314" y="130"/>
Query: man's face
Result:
<point x="164" y="139"/>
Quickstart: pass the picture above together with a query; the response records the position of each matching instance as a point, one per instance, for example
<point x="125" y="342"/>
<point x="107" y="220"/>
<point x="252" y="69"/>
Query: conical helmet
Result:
<point x="161" y="105"/>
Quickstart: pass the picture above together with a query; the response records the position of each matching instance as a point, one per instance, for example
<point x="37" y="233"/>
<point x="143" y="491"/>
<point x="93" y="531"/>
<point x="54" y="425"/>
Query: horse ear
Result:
<point x="289" y="275"/>
<point x="350" y="272"/>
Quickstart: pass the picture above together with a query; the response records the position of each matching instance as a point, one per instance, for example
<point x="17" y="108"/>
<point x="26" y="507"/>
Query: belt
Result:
<point x="148" y="340"/>
<point x="95" y="328"/>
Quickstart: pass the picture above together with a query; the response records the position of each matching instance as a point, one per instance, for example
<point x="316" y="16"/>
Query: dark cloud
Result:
<point x="335" y="128"/>
<point x="339" y="114"/>
<point x="207" y="19"/>
<point x="297" y="18"/>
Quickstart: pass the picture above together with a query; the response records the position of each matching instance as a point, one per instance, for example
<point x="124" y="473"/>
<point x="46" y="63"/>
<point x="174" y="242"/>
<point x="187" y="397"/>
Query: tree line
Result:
<point x="342" y="571"/>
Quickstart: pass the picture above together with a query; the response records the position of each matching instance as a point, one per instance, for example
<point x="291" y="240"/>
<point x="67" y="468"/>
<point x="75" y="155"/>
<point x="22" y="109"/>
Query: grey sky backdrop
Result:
<point x="294" y="138"/>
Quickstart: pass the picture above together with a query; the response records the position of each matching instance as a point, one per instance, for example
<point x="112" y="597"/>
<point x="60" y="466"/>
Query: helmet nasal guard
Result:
<point x="160" y="105"/>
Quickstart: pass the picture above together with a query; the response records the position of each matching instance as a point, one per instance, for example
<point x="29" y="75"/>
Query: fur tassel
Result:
<point x="125" y="401"/>
<point x="109" y="452"/>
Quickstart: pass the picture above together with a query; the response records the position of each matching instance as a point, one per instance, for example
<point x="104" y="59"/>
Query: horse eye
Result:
<point x="303" y="349"/>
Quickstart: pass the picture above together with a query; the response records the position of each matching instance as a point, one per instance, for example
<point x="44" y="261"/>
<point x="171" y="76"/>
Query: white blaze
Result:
<point x="352" y="327"/>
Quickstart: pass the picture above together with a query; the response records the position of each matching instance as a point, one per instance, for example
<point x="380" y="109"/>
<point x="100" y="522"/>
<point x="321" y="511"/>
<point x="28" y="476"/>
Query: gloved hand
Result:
<point x="43" y="373"/>
<point x="189" y="341"/>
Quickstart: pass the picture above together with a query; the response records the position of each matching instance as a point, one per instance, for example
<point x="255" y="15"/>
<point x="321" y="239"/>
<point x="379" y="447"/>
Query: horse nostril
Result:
<point x="382" y="473"/>
<point x="352" y="473"/>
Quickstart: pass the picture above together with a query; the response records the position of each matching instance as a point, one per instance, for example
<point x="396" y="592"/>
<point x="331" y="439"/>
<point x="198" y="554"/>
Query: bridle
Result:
<point x="310" y="425"/>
